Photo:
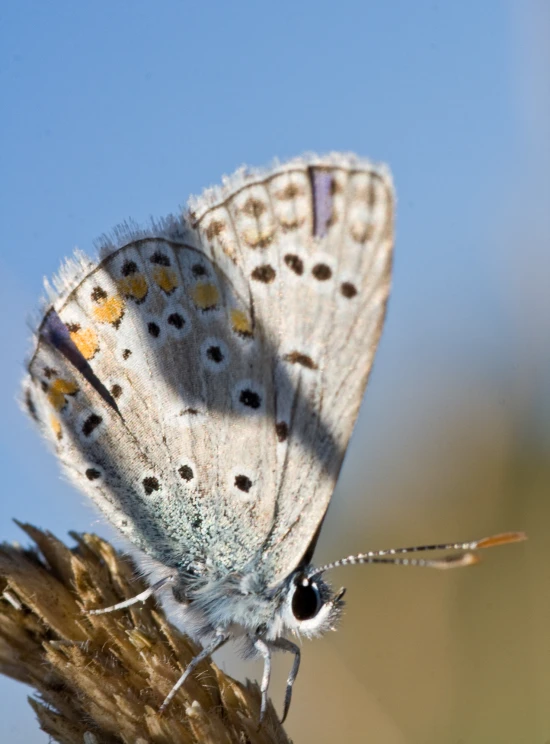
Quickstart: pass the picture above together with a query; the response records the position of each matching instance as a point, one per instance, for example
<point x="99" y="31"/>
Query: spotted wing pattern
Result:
<point x="200" y="382"/>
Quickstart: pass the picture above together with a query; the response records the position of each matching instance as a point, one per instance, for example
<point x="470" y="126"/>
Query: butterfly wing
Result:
<point x="201" y="382"/>
<point x="313" y="240"/>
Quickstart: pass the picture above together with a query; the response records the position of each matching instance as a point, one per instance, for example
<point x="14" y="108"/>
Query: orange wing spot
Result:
<point x="214" y="229"/>
<point x="254" y="207"/>
<point x="86" y="342"/>
<point x="218" y="229"/>
<point x="109" y="310"/>
<point x="258" y="238"/>
<point x="505" y="538"/>
<point x="166" y="278"/>
<point x="228" y="247"/>
<point x="56" y="427"/>
<point x="134" y="285"/>
<point x="205" y="295"/>
<point x="240" y="322"/>
<point x="289" y="192"/>
<point x="291" y="223"/>
<point x="361" y="232"/>
<point x="57" y="391"/>
<point x="366" y="194"/>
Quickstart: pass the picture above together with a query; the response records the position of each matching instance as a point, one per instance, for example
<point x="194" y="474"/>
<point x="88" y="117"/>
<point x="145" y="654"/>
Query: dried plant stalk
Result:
<point x="102" y="678"/>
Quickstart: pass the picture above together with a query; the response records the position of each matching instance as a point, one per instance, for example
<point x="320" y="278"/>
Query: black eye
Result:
<point x="306" y="602"/>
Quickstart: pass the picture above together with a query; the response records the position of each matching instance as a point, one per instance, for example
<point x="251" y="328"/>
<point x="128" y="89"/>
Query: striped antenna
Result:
<point x="464" y="557"/>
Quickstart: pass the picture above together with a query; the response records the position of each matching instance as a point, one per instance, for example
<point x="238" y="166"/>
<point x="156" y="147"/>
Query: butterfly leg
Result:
<point x="133" y="600"/>
<point x="263" y="648"/>
<point x="284" y="645"/>
<point x="217" y="643"/>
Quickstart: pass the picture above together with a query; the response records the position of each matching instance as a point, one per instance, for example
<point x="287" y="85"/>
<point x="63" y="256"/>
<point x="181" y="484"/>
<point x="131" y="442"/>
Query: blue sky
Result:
<point x="117" y="110"/>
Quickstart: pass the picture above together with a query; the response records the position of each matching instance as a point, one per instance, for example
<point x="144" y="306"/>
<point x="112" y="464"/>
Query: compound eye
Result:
<point x="306" y="601"/>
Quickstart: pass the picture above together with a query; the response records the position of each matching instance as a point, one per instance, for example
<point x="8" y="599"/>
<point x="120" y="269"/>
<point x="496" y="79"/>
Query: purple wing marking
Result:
<point x="56" y="333"/>
<point x="321" y="186"/>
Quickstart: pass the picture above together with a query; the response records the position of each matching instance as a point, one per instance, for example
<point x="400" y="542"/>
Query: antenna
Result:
<point x="465" y="556"/>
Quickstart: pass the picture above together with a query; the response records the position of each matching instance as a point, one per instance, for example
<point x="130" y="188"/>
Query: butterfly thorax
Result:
<point x="243" y="606"/>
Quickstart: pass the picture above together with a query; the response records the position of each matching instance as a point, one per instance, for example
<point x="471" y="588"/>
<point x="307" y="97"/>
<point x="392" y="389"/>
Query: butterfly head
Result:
<point x="311" y="607"/>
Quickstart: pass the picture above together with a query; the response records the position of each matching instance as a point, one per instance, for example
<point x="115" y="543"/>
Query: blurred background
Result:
<point x="117" y="110"/>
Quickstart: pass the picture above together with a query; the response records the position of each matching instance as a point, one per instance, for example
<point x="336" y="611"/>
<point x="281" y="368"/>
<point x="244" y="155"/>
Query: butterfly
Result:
<point x="200" y="381"/>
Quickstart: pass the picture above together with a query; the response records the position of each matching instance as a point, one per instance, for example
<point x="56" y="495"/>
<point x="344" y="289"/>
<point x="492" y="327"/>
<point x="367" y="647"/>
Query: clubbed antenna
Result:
<point x="466" y="555"/>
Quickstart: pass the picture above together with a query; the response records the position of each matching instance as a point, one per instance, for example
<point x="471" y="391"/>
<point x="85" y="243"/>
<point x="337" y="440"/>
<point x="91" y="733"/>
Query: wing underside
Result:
<point x="201" y="382"/>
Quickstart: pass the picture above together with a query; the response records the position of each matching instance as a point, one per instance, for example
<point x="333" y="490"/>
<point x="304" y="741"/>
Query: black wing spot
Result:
<point x="348" y="289"/>
<point x="281" y="430"/>
<point x="243" y="483"/>
<point x="150" y="484"/>
<point x="198" y="270"/>
<point x="98" y="294"/>
<point x="153" y="329"/>
<point x="160" y="259"/>
<point x="116" y="391"/>
<point x="176" y="320"/>
<point x="250" y="399"/>
<point x="215" y="354"/>
<point x="321" y="272"/>
<point x="129" y="268"/>
<point x="93" y="474"/>
<point x="295" y="263"/>
<point x="91" y="423"/>
<point x="186" y="472"/>
<point x="264" y="274"/>
<point x="126" y="354"/>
